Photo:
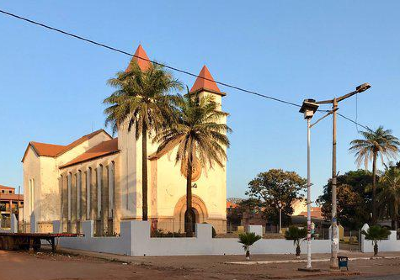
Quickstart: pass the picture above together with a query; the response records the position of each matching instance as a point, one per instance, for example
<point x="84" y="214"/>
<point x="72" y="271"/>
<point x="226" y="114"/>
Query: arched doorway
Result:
<point x="199" y="212"/>
<point x="195" y="218"/>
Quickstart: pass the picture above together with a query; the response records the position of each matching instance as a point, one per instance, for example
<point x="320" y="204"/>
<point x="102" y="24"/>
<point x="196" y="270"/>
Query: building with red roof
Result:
<point x="10" y="203"/>
<point x="98" y="177"/>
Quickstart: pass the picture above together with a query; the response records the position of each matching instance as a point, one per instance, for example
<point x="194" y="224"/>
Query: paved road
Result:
<point x="389" y="277"/>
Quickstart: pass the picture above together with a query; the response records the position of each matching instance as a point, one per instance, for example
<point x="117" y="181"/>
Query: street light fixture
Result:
<point x="308" y="108"/>
<point x="363" y="87"/>
<point x="280" y="216"/>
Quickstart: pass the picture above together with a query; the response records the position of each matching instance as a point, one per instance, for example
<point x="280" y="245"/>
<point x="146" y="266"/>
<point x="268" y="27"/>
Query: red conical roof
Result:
<point x="144" y="63"/>
<point x="207" y="84"/>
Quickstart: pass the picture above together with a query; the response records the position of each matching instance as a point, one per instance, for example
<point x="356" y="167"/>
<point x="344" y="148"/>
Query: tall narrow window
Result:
<point x="99" y="185"/>
<point x="69" y="192"/>
<point x="111" y="187"/>
<point x="88" y="191"/>
<point x="78" y="194"/>
<point x="32" y="194"/>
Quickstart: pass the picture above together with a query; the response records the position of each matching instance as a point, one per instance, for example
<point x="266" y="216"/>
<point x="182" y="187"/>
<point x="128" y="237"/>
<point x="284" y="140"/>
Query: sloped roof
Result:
<point x="230" y="204"/>
<point x="6" y="188"/>
<point x="12" y="196"/>
<point x="51" y="150"/>
<point x="47" y="150"/>
<point x="206" y="82"/>
<point x="144" y="63"/>
<point x="103" y="149"/>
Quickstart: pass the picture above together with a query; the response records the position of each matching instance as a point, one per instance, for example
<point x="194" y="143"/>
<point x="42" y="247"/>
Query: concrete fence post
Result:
<point x="87" y="228"/>
<point x="57" y="226"/>
<point x="14" y="224"/>
<point x="362" y="239"/>
<point x="33" y="224"/>
<point x="257" y="229"/>
<point x="140" y="237"/>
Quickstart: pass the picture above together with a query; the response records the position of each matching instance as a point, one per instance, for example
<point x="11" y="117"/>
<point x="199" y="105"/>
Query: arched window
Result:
<point x="78" y="194"/>
<point x="111" y="189"/>
<point x="88" y="191"/>
<point x="69" y="193"/>
<point x="99" y="185"/>
<point x="32" y="194"/>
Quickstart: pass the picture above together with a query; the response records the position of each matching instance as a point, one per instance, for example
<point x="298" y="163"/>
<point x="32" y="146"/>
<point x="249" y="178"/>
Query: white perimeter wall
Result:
<point x="135" y="240"/>
<point x="389" y="245"/>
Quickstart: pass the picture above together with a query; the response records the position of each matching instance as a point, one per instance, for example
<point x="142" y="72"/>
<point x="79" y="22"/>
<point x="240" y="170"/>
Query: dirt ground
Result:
<point x="46" y="266"/>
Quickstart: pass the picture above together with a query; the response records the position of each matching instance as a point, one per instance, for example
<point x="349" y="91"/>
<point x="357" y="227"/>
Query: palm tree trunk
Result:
<point x="248" y="254"/>
<point x="374" y="207"/>
<point x="189" y="216"/>
<point x="144" y="173"/>
<point x="375" y="248"/>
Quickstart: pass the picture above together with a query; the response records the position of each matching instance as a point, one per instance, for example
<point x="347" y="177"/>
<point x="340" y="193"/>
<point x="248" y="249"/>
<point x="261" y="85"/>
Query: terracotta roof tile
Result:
<point x="12" y="196"/>
<point x="51" y="150"/>
<point x="6" y="188"/>
<point x="143" y="64"/>
<point x="230" y="204"/>
<point x="48" y="150"/>
<point x="102" y="149"/>
<point x="207" y="84"/>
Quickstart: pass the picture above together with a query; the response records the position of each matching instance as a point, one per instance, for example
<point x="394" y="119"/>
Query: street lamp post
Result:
<point x="335" y="239"/>
<point x="280" y="216"/>
<point x="308" y="108"/>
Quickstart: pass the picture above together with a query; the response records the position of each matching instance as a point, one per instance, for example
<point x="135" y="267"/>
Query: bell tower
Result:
<point x="205" y="85"/>
<point x="130" y="151"/>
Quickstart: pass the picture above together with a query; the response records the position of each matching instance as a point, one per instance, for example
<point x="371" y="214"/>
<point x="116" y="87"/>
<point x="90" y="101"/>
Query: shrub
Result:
<point x="297" y="235"/>
<point x="248" y="239"/>
<point x="375" y="234"/>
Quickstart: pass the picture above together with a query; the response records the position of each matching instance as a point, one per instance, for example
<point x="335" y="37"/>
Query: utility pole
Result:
<point x="308" y="108"/>
<point x="280" y="216"/>
<point x="334" y="235"/>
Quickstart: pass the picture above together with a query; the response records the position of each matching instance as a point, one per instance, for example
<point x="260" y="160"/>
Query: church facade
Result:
<point x="98" y="177"/>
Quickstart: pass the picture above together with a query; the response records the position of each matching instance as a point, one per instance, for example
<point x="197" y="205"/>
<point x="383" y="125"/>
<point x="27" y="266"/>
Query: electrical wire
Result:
<point x="145" y="59"/>
<point x="356" y="123"/>
<point x="164" y="65"/>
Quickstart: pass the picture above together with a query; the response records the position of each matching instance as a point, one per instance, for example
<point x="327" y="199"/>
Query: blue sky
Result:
<point x="52" y="86"/>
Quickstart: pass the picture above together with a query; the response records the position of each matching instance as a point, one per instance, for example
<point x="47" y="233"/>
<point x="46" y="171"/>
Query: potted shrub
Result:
<point x="297" y="235"/>
<point x="248" y="239"/>
<point x="375" y="234"/>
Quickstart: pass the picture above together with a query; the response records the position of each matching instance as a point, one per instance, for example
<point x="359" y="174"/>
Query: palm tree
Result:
<point x="375" y="234"/>
<point x="296" y="234"/>
<point x="200" y="137"/>
<point x="389" y="195"/>
<point x="142" y="102"/>
<point x="248" y="239"/>
<point x="375" y="143"/>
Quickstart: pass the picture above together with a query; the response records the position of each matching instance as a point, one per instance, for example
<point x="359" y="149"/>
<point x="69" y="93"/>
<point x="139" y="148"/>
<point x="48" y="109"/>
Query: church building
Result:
<point x="98" y="177"/>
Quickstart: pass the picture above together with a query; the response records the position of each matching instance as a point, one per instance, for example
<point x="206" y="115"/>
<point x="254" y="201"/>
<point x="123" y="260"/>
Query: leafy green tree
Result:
<point x="199" y="134"/>
<point x="380" y="142"/>
<point x="248" y="239"/>
<point x="375" y="234"/>
<point x="141" y="101"/>
<point x="389" y="194"/>
<point x="353" y="199"/>
<point x="250" y="206"/>
<point x="297" y="235"/>
<point x="277" y="188"/>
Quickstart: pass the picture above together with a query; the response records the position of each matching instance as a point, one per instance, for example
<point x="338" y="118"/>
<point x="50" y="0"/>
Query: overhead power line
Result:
<point x="356" y="123"/>
<point x="161" y="64"/>
<point x="145" y="59"/>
